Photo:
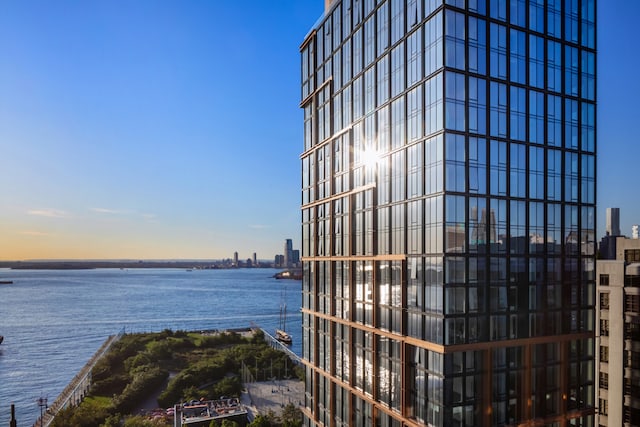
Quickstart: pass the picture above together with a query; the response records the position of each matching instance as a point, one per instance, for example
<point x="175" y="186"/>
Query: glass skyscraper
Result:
<point x="448" y="213"/>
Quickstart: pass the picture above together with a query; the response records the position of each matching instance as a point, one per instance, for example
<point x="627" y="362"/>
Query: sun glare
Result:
<point x="370" y="158"/>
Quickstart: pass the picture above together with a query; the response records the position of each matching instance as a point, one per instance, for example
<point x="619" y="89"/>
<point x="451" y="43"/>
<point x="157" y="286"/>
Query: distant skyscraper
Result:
<point x="448" y="213"/>
<point x="235" y="258"/>
<point x="613" y="222"/>
<point x="255" y="259"/>
<point x="288" y="252"/>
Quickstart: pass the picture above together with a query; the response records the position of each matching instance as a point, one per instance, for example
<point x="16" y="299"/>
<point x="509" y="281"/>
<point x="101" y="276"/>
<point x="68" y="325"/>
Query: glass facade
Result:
<point x="448" y="213"/>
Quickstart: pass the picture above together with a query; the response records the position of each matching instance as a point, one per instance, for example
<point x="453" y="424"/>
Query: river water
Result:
<point x="54" y="321"/>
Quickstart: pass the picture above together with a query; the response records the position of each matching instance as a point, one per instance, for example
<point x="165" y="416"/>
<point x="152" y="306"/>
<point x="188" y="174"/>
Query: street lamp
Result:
<point x="42" y="403"/>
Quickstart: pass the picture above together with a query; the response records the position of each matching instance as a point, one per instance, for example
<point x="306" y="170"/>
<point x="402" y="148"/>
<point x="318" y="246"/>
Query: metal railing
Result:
<point x="78" y="387"/>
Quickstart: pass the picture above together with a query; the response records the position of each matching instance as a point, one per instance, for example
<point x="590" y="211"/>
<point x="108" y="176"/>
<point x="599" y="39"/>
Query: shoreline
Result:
<point x="92" y="265"/>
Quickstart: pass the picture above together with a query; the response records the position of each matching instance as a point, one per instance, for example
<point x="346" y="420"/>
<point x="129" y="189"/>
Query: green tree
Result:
<point x="291" y="416"/>
<point x="260" y="421"/>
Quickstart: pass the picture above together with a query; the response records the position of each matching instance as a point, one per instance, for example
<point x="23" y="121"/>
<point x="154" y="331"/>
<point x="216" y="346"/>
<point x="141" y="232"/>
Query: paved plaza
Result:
<point x="266" y="396"/>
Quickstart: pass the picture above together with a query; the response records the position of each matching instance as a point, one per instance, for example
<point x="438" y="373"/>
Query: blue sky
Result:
<point x="150" y="129"/>
<point x="171" y="129"/>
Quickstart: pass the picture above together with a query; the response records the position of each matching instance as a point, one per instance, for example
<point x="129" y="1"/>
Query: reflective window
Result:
<point x="455" y="38"/>
<point x="477" y="165"/>
<point x="518" y="170"/>
<point x="433" y="45"/>
<point x="498" y="109"/>
<point x="357" y="51"/>
<point x="415" y="178"/>
<point x="414" y="12"/>
<point x="571" y="20"/>
<point x="571" y="71"/>
<point x="398" y="176"/>
<point x="397" y="70"/>
<point x="498" y="9"/>
<point x="536" y="229"/>
<point x="518" y="113"/>
<point x="478" y="222"/>
<point x="456" y="3"/>
<point x="554" y="66"/>
<point x="346" y="61"/>
<point x="414" y="57"/>
<point x="397" y="20"/>
<point x="478" y="6"/>
<point x="346" y="104"/>
<point x="415" y="220"/>
<point x="455" y="214"/>
<point x="554" y="23"/>
<point x="455" y="117"/>
<point x="518" y="227"/>
<point x="554" y="174"/>
<point x="369" y="40"/>
<point x="571" y="177"/>
<point x="536" y="15"/>
<point x="369" y="90"/>
<point x="382" y="21"/>
<point x="571" y="123"/>
<point x="414" y="114"/>
<point x="588" y="126"/>
<point x="455" y="164"/>
<point x="433" y="226"/>
<point x="536" y="173"/>
<point x="358" y="98"/>
<point x="554" y="227"/>
<point x="536" y="117"/>
<point x="433" y="109"/>
<point x="588" y="178"/>
<point x="431" y="5"/>
<point x="497" y="233"/>
<point x="382" y="71"/>
<point x="518" y="12"/>
<point x="588" y="76"/>
<point x="536" y="61"/>
<point x="398" y="123"/>
<point x="434" y="158"/>
<point x="498" y="51"/>
<point x="518" y="56"/>
<point x="477" y="106"/>
<point x="554" y="120"/>
<point x="477" y="45"/>
<point x="498" y="168"/>
<point x="588" y="23"/>
<point x="337" y="27"/>
<point x="383" y="134"/>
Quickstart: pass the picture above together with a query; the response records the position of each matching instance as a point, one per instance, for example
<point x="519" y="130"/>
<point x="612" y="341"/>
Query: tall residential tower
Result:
<point x="448" y="213"/>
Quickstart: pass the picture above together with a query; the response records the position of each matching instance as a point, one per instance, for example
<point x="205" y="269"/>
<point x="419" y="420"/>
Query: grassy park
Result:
<point x="175" y="367"/>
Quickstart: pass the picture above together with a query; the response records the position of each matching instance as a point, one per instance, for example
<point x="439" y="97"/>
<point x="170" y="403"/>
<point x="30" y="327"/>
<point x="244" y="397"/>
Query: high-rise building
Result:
<point x="288" y="252"/>
<point x="613" y="222"/>
<point x="448" y="213"/>
<point x="618" y="335"/>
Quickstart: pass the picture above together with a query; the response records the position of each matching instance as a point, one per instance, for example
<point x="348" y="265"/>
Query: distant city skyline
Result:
<point x="143" y="131"/>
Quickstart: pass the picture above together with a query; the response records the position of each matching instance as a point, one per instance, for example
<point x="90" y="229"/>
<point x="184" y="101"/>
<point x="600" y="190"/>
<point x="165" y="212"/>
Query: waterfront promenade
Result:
<point x="75" y="391"/>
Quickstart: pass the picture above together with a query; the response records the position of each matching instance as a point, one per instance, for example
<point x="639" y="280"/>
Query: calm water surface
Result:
<point x="54" y="321"/>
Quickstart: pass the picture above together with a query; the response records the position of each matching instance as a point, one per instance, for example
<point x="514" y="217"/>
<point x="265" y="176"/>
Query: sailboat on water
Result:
<point x="281" y="332"/>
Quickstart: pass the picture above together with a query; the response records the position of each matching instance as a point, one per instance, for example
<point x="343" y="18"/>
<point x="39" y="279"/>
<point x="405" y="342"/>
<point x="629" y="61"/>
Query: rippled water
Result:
<point x="54" y="321"/>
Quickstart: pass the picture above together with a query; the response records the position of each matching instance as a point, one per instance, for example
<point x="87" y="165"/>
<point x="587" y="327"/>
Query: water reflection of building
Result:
<point x="448" y="213"/>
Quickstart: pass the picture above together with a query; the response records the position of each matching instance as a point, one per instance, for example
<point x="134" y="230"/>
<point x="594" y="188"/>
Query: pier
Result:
<point x="77" y="389"/>
<point x="274" y="343"/>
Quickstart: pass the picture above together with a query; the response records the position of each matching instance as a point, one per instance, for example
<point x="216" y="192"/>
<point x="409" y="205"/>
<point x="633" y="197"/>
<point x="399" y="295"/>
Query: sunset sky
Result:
<point x="171" y="129"/>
